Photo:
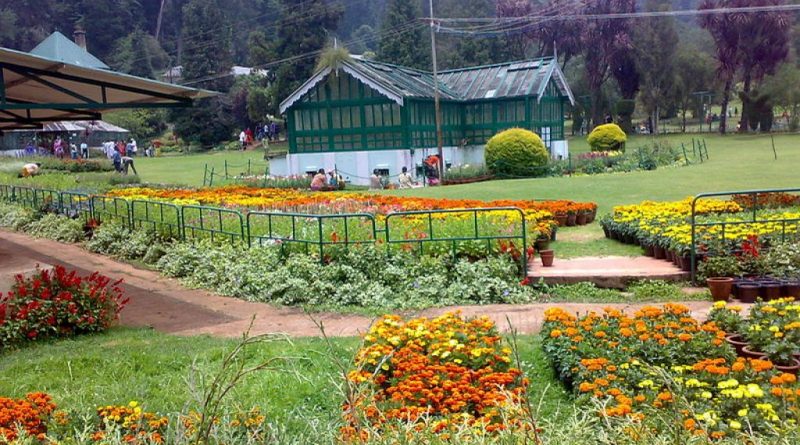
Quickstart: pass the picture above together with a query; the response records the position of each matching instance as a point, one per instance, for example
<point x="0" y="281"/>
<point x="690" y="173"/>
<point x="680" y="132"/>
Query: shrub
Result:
<point x="77" y="166"/>
<point x="58" y="303"/>
<point x="516" y="152"/>
<point x="607" y="137"/>
<point x="15" y="217"/>
<point x="57" y="228"/>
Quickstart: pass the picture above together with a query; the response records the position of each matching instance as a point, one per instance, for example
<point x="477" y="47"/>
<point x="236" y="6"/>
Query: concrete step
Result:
<point x="608" y="272"/>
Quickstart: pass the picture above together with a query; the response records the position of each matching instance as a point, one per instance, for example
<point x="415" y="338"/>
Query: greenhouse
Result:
<point x="367" y="115"/>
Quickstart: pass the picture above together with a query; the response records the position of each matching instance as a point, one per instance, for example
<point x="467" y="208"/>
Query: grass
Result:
<point x="138" y="364"/>
<point x="188" y="169"/>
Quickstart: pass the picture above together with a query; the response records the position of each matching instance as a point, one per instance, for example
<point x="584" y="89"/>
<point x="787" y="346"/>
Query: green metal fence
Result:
<point x="212" y="222"/>
<point x="76" y="205"/>
<point x="106" y="209"/>
<point x="311" y="231"/>
<point x="433" y="231"/>
<point x="752" y="219"/>
<point x="163" y="218"/>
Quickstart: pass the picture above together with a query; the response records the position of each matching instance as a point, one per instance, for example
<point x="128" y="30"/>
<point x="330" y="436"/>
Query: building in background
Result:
<point x="366" y="115"/>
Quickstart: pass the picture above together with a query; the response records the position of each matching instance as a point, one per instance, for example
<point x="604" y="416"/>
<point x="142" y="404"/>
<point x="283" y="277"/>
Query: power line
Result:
<point x="393" y="32"/>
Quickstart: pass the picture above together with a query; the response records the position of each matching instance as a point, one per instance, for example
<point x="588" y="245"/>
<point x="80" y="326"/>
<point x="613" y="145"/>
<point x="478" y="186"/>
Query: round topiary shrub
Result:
<point x="607" y="137"/>
<point x="516" y="152"/>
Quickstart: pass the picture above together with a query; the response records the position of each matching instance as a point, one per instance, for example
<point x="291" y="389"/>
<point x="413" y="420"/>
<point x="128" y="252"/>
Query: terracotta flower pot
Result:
<point x="791" y="369"/>
<point x="748" y="292"/>
<point x="751" y="353"/>
<point x="561" y="219"/>
<point x="720" y="287"/>
<point x="737" y="342"/>
<point x="649" y="250"/>
<point x="571" y="219"/>
<point x="581" y="218"/>
<point x="659" y="253"/>
<point x="790" y="289"/>
<point x="547" y="257"/>
<point x="542" y="244"/>
<point x="686" y="263"/>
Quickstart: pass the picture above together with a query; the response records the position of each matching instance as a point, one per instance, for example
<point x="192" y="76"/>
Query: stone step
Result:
<point x="608" y="272"/>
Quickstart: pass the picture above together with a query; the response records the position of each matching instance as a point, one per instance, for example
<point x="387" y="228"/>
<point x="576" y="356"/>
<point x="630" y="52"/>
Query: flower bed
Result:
<point x="447" y="372"/>
<point x="772" y="328"/>
<point x="58" y="304"/>
<point x="662" y="361"/>
<point x="328" y="203"/>
<point x="666" y="226"/>
<point x="30" y="413"/>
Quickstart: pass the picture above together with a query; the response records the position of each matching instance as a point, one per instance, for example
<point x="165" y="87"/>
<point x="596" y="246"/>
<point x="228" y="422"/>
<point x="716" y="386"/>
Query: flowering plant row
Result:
<point x="662" y="359"/>
<point x="324" y="202"/>
<point x="668" y="225"/>
<point x="449" y="371"/>
<point x="772" y="327"/>
<point x="36" y="416"/>
<point x="58" y="303"/>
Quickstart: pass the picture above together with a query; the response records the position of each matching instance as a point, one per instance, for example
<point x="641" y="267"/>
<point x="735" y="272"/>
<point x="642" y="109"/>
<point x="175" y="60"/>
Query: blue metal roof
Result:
<point x="59" y="47"/>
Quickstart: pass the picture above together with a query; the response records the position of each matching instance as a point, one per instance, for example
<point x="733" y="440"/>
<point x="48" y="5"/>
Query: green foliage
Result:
<point x="144" y="124"/>
<point x="363" y="277"/>
<point x="15" y="217"/>
<point x="718" y="266"/>
<point x="516" y="152"/>
<point x="57" y="228"/>
<point x="138" y="54"/>
<point x="409" y="48"/>
<point x="79" y="166"/>
<point x="783" y="259"/>
<point x="332" y="58"/>
<point x="657" y="290"/>
<point x="607" y="137"/>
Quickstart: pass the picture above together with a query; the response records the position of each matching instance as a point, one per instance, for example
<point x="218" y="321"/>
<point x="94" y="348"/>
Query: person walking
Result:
<point x="243" y="140"/>
<point x="84" y="150"/>
<point x="134" y="147"/>
<point x="116" y="159"/>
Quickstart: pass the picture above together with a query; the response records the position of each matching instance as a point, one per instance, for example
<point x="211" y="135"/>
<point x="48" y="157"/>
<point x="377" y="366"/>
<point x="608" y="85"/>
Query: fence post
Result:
<point x="248" y="167"/>
<point x="685" y="156"/>
<point x="211" y="181"/>
<point x="205" y="174"/>
<point x="226" y="169"/>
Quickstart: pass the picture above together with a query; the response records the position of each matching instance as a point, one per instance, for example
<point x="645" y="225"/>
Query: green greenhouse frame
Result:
<point x="364" y="105"/>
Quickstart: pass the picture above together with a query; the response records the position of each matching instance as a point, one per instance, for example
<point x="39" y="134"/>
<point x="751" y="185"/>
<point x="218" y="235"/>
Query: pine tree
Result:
<point x="206" y="66"/>
<point x="406" y="48"/>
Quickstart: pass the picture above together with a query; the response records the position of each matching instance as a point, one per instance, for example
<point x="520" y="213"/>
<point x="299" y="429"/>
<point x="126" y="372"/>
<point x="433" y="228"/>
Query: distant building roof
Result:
<point x="512" y="79"/>
<point x="77" y="126"/>
<point x="175" y="73"/>
<point x="58" y="47"/>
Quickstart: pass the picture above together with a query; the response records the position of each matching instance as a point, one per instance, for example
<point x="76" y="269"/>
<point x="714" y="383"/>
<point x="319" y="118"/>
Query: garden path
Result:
<point x="610" y="271"/>
<point x="163" y="304"/>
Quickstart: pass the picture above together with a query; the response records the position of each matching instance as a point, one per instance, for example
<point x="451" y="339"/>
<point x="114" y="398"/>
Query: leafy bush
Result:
<point x="76" y="166"/>
<point x="117" y="241"/>
<point x="58" y="303"/>
<point x="364" y="277"/>
<point x="607" y="137"/>
<point x="516" y="152"/>
<point x="783" y="260"/>
<point x="57" y="227"/>
<point x="15" y="217"/>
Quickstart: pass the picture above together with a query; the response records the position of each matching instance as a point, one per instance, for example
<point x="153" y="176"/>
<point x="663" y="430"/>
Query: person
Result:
<point x="432" y="169"/>
<point x="150" y="151"/>
<point x="73" y="151"/>
<point x="122" y="148"/>
<point x="406" y="182"/>
<point x="267" y="132"/>
<point x="334" y="181"/>
<point x="375" y="181"/>
<point x="58" y="147"/>
<point x="116" y="158"/>
<point x="249" y="133"/>
<point x="318" y="182"/>
<point x="134" y="147"/>
<point x="30" y="150"/>
<point x="127" y="162"/>
<point x="108" y="149"/>
<point x="84" y="150"/>
<point x="273" y="129"/>
<point x="31" y="169"/>
<point x="243" y="140"/>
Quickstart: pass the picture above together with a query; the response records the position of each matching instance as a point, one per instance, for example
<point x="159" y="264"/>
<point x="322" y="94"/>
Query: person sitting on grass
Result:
<point x="28" y="170"/>
<point x="318" y="182"/>
<point x="405" y="180"/>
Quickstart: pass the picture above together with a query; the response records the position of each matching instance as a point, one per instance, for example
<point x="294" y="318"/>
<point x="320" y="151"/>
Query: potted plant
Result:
<point x="719" y="272"/>
<point x="571" y="217"/>
<point x="547" y="257"/>
<point x="729" y="319"/>
<point x="542" y="243"/>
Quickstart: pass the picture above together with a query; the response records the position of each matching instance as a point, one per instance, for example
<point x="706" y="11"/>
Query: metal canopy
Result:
<point x="35" y="90"/>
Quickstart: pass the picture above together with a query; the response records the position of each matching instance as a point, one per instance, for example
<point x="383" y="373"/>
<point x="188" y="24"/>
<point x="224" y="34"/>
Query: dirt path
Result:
<point x="166" y="306"/>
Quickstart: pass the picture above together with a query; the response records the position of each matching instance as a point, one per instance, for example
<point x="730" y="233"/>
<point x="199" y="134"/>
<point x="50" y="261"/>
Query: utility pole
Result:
<point x="437" y="106"/>
<point x="158" y="22"/>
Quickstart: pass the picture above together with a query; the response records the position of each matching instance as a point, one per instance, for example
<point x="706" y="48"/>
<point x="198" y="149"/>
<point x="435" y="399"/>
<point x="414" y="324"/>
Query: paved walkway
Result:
<point x="611" y="271"/>
<point x="165" y="305"/>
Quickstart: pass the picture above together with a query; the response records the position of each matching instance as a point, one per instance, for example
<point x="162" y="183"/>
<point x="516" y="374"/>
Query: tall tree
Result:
<point x="303" y="33"/>
<point x="607" y="45"/>
<point x="694" y="75"/>
<point x="755" y="43"/>
<point x="562" y="37"/>
<point x="656" y="41"/>
<point x="407" y="48"/>
<point x="207" y="66"/>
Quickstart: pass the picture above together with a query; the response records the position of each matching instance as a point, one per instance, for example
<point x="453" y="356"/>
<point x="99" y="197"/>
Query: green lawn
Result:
<point x="188" y="169"/>
<point x="128" y="364"/>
